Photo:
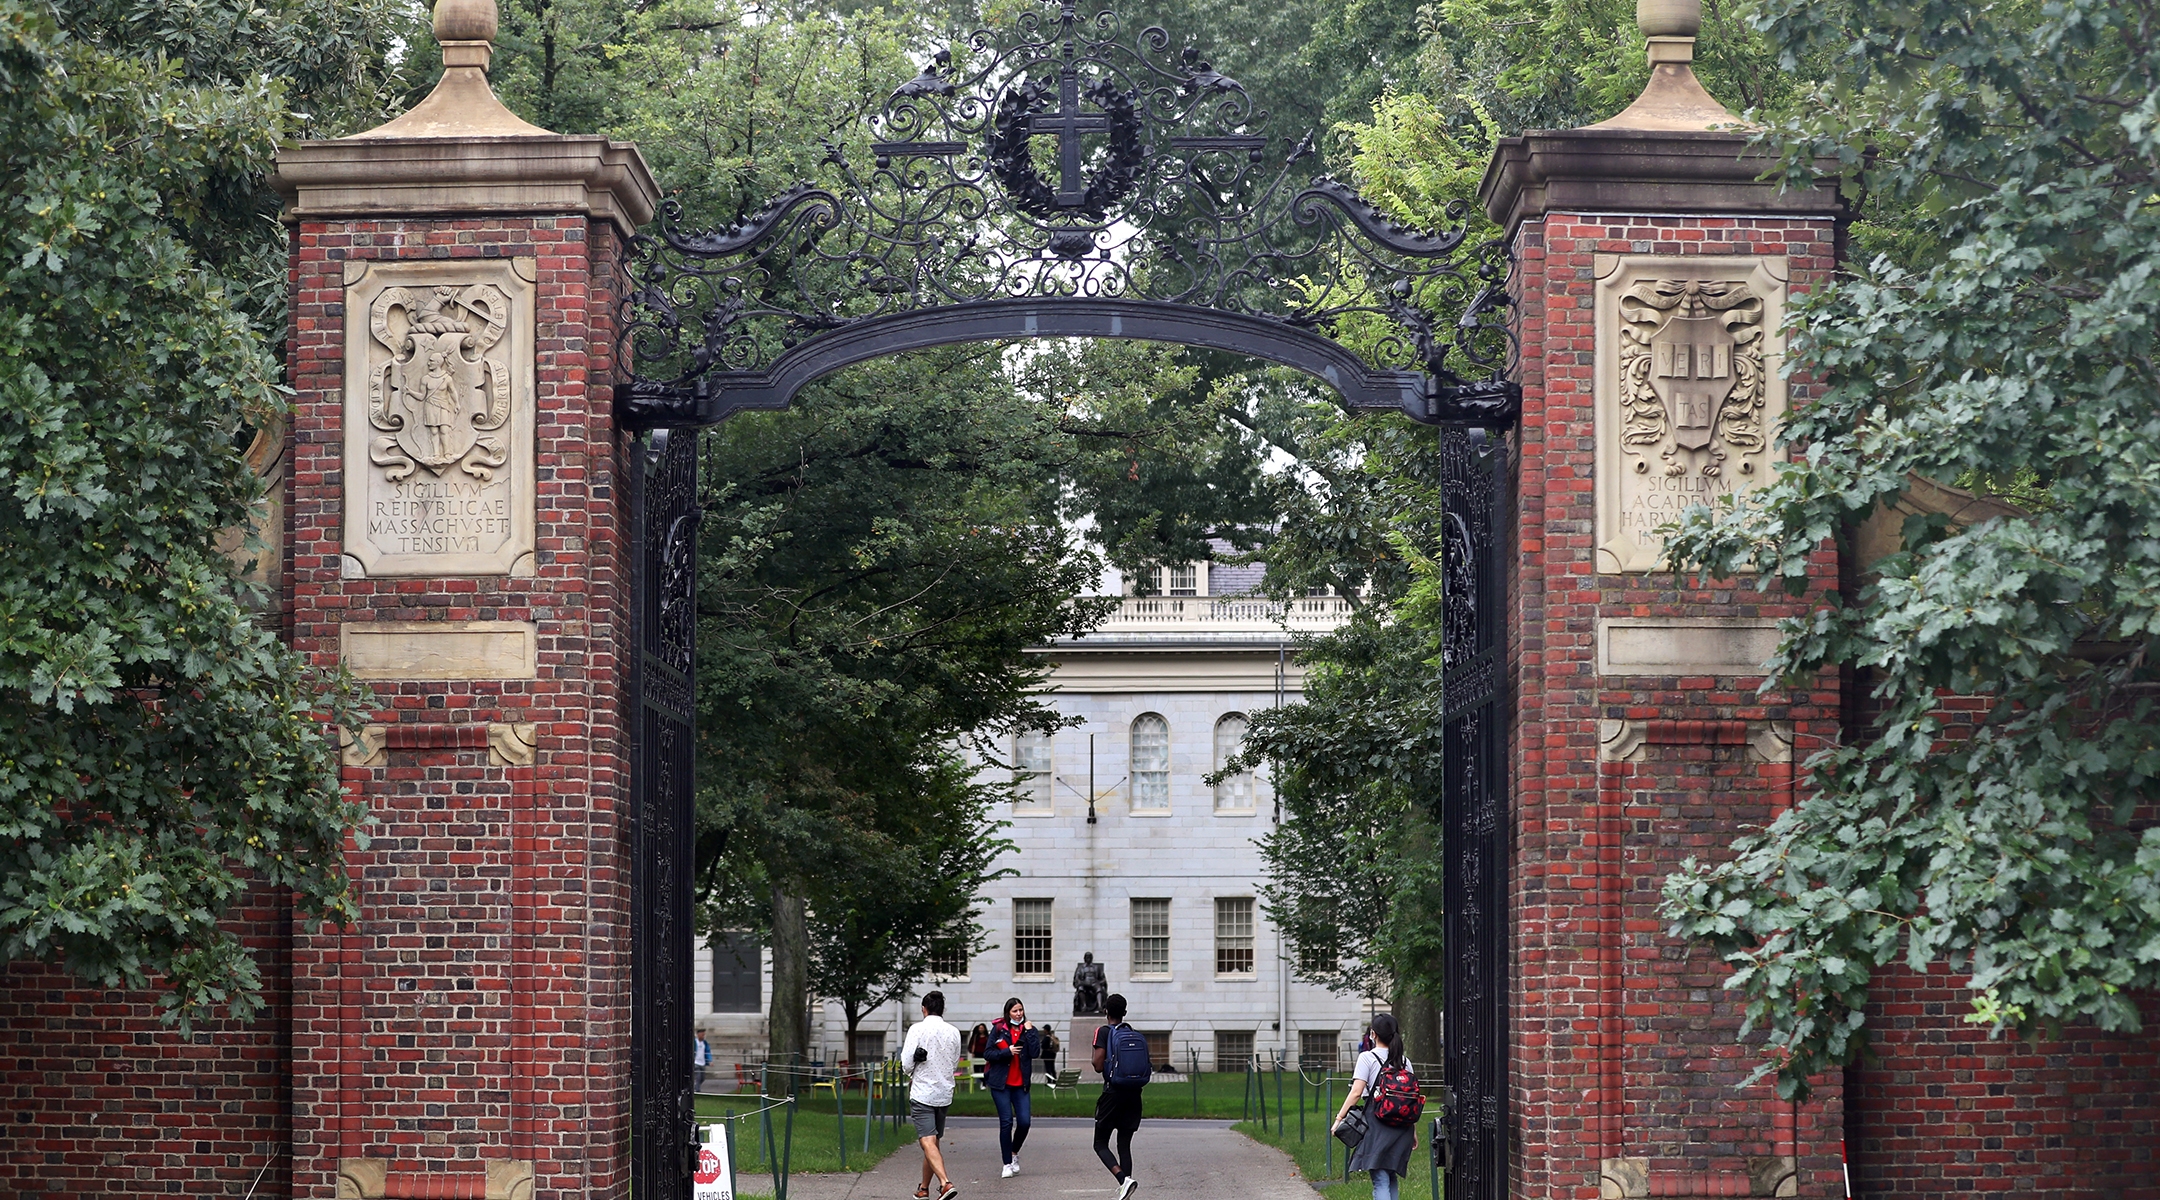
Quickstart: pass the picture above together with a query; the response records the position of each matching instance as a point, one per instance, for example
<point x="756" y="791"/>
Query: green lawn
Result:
<point x="817" y="1133"/>
<point x="1312" y="1155"/>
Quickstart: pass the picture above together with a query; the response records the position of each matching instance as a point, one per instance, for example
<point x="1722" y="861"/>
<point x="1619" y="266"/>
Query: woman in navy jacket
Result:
<point x="1008" y="1058"/>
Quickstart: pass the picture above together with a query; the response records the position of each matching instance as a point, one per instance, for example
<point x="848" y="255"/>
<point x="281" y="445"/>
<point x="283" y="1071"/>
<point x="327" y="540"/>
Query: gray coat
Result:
<point x="1385" y="1148"/>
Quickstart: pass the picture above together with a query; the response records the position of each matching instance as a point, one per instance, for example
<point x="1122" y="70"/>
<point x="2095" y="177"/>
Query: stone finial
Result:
<point x="1669" y="18"/>
<point x="462" y="104"/>
<point x="1674" y="100"/>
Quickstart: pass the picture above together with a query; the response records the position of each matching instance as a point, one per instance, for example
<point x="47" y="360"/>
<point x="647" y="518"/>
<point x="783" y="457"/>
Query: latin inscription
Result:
<point x="441" y="517"/>
<point x="439" y="453"/>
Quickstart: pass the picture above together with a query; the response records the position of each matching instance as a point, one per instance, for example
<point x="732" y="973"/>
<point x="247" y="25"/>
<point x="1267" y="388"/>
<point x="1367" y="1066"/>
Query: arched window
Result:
<point x="1032" y="770"/>
<point x="1150" y="763"/>
<point x="1235" y="792"/>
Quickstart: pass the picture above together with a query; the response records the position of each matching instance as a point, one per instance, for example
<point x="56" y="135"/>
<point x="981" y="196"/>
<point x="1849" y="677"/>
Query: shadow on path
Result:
<point x="1187" y="1159"/>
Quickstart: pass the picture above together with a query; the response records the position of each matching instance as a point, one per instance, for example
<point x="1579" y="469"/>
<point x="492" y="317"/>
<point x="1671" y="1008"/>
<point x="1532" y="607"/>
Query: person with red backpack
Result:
<point x="1392" y="1103"/>
<point x="1125" y="1064"/>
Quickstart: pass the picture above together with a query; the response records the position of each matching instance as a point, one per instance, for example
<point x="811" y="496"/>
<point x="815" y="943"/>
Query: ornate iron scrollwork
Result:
<point x="1066" y="182"/>
<point x="663" y="491"/>
<point x="1474" y="810"/>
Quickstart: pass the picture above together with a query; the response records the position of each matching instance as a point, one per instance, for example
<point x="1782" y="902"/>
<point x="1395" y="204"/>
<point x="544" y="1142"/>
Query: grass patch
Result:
<point x="816" y="1146"/>
<point x="1312" y="1156"/>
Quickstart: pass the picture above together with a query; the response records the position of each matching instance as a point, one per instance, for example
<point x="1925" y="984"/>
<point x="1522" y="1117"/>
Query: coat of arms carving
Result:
<point x="1691" y="376"/>
<point x="441" y="399"/>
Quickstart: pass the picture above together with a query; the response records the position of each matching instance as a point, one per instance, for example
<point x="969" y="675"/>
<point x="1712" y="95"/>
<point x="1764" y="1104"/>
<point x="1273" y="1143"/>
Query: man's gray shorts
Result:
<point x="929" y="1120"/>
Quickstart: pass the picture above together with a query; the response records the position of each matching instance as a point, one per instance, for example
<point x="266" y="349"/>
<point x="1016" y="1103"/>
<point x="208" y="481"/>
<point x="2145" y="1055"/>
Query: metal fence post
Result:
<point x="727" y="1138"/>
<point x="772" y="1146"/>
<point x="787" y="1155"/>
<point x="839" y="1108"/>
<point x="1328" y="1106"/>
<point x="1435" y="1149"/>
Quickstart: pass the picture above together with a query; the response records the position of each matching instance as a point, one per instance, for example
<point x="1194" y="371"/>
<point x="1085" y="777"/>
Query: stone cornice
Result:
<point x="1662" y="172"/>
<point x="533" y="174"/>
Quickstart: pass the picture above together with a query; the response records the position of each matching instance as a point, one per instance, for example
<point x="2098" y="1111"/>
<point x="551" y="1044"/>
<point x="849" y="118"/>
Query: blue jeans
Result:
<point x="1386" y="1185"/>
<point x="1015" y="1115"/>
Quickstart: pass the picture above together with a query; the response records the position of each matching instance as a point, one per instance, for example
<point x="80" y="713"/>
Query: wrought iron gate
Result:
<point x="1474" y="811"/>
<point x="663" y="497"/>
<point x="1172" y="217"/>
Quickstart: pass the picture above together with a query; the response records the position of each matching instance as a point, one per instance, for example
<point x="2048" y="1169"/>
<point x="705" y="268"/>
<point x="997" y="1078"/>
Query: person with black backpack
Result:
<point x="1125" y="1064"/>
<point x="1389" y="1100"/>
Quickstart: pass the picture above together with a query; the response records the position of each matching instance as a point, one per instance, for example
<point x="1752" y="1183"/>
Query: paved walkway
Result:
<point x="1185" y="1159"/>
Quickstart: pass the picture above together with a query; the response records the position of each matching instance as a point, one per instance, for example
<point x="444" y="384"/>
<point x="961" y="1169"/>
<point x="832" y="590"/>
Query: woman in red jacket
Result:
<point x="1007" y="1061"/>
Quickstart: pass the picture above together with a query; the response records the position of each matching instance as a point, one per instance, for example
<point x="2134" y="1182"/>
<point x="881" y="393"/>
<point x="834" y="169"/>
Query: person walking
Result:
<point x="931" y="1054"/>
<point x="1123" y="1061"/>
<point x="1386" y="1149"/>
<point x="1008" y="1060"/>
<point x="700" y="1058"/>
<point x="1050" y="1047"/>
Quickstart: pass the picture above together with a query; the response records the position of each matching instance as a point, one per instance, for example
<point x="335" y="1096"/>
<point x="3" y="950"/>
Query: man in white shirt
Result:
<point x="931" y="1054"/>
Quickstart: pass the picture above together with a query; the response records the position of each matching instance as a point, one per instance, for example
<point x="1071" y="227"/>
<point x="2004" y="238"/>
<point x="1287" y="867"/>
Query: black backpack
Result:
<point x="1126" y="1061"/>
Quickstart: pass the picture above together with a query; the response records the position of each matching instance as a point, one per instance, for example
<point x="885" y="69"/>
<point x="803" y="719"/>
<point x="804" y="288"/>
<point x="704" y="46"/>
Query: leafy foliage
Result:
<point x="901" y="898"/>
<point x="160" y="752"/>
<point x="876" y="562"/>
<point x="1354" y="867"/>
<point x="2016" y="842"/>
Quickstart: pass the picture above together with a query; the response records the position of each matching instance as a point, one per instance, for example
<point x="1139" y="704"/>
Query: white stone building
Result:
<point x="1161" y="885"/>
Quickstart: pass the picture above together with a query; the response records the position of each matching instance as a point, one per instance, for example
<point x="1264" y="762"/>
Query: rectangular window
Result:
<point x="949" y="957"/>
<point x="1233" y="1049"/>
<point x="1233" y="935"/>
<point x="1182" y="581"/>
<point x="1158" y="1047"/>
<point x="1150" y="937"/>
<point x="1235" y="792"/>
<point x="1317" y="960"/>
<point x="1032" y="771"/>
<point x="737" y="973"/>
<point x="1031" y="937"/>
<point x="869" y="1046"/>
<point x="1150" y="763"/>
<point x="1316" y="1049"/>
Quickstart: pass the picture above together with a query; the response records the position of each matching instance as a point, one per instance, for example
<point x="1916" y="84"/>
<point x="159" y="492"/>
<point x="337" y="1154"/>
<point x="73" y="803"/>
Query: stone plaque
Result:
<point x="1688" y="393"/>
<point x="439" y="417"/>
<point x="441" y="649"/>
<point x="1685" y="645"/>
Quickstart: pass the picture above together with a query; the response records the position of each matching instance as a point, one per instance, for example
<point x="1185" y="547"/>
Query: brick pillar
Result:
<point x="455" y="537"/>
<point x="1654" y="272"/>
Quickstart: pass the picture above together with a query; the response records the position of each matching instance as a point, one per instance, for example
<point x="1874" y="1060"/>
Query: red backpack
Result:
<point x="1397" y="1099"/>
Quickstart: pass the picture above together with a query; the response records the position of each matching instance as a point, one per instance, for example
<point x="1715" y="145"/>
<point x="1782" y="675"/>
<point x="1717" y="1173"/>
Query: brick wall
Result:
<point x="97" y="1098"/>
<point x="488" y="975"/>
<point x="1940" y="1108"/>
<point x="1623" y="1045"/>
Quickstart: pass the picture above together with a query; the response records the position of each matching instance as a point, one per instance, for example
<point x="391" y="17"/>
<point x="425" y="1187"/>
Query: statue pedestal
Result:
<point x="1079" y="1051"/>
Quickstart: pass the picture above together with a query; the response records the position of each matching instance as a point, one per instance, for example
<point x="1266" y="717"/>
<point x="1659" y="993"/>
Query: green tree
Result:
<point x="881" y="915"/>
<point x="2018" y="846"/>
<point x="162" y="752"/>
<point x="876" y="563"/>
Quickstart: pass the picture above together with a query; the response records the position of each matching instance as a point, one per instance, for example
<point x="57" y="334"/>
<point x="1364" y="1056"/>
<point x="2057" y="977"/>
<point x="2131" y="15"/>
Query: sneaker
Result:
<point x="949" y="1192"/>
<point x="1010" y="1171"/>
<point x="1125" y="1189"/>
<point x="1016" y="1164"/>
